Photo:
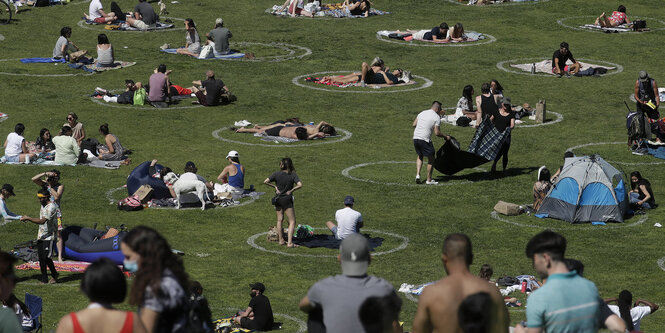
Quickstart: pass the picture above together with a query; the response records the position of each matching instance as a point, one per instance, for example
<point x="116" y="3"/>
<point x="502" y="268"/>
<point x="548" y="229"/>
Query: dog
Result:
<point x="185" y="185"/>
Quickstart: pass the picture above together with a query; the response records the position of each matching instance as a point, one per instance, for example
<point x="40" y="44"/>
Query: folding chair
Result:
<point x="34" y="304"/>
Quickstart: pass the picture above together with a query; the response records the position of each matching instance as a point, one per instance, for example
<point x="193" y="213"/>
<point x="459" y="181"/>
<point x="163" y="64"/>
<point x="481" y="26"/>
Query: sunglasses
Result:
<point x="70" y="118"/>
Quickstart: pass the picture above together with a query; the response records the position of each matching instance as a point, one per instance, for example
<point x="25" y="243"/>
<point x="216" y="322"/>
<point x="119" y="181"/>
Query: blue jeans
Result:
<point x="635" y="198"/>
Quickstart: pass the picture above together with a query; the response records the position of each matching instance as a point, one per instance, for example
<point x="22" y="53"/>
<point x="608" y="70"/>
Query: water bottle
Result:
<point x="311" y="123"/>
<point x="533" y="68"/>
<point x="523" y="286"/>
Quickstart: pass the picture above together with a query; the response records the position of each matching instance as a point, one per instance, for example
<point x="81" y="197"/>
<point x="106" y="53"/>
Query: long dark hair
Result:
<point x="156" y="256"/>
<point x="102" y="39"/>
<point x="467" y="92"/>
<point x="639" y="177"/>
<point x="104" y="129"/>
<point x="486" y="272"/>
<point x="498" y="85"/>
<point x="103" y="282"/>
<point x="624" y="301"/>
<point x="190" y="23"/>
<point x="622" y="9"/>
<point x="287" y="164"/>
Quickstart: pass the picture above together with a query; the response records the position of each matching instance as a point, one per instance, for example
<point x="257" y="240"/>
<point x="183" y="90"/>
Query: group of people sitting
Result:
<point x="66" y="49"/>
<point x="309" y="8"/>
<point x="217" y="40"/>
<point x="69" y="147"/>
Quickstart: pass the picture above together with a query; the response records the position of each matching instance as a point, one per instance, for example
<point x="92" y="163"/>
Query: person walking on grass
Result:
<point x="428" y="121"/>
<point x="46" y="236"/>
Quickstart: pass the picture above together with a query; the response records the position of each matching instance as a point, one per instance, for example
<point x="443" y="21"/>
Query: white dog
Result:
<point x="186" y="184"/>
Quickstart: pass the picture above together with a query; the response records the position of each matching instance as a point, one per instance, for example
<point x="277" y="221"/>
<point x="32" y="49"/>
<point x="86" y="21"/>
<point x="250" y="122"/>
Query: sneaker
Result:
<point x="101" y="91"/>
<point x="165" y="46"/>
<point x="431" y="182"/>
<point x="418" y="181"/>
<point x="641" y="151"/>
<point x="363" y="84"/>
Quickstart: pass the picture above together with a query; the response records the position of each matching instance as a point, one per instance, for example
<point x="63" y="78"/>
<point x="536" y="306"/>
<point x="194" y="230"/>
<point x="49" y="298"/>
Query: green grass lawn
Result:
<point x="215" y="241"/>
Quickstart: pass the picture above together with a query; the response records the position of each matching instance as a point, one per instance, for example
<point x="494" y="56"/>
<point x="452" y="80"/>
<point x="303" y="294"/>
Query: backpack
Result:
<point x="26" y="251"/>
<point x="639" y="25"/>
<point x="463" y="121"/>
<point x="199" y="317"/>
<point x="636" y="126"/>
<point x="304" y="232"/>
<point x="130" y="203"/>
<point x="507" y="281"/>
<point x="140" y="97"/>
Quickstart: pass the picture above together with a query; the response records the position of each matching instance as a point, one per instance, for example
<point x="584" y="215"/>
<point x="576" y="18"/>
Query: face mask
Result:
<point x="130" y="266"/>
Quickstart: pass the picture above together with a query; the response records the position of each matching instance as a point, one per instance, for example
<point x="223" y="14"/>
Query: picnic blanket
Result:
<point x="281" y="139"/>
<point x="414" y="289"/>
<point x="545" y="66"/>
<point x="66" y="266"/>
<point x="451" y="160"/>
<point x="320" y="80"/>
<point x="233" y="55"/>
<point x="42" y="60"/>
<point x="326" y="11"/>
<point x="123" y="26"/>
<point x="118" y="65"/>
<point x="3" y="117"/>
<point x="170" y="203"/>
<point x="112" y="165"/>
<point x="487" y="140"/>
<point x="617" y="29"/>
<point x="471" y="36"/>
<point x="223" y="323"/>
<point x="330" y="242"/>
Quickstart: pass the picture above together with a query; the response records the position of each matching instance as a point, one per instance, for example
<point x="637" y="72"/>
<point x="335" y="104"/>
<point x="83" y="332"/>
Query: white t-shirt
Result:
<point x="14" y="144"/>
<point x="347" y="219"/>
<point x="47" y="230"/>
<point x="95" y="6"/>
<point x="637" y="313"/>
<point x="425" y="125"/>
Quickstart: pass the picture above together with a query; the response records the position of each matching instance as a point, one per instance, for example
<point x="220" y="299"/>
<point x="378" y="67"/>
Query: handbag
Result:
<point x="140" y="96"/>
<point x="206" y="52"/>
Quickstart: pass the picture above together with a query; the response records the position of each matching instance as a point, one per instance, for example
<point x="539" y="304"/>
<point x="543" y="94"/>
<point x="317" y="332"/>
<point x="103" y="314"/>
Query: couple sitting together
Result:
<point x="292" y="130"/>
<point x="374" y="73"/>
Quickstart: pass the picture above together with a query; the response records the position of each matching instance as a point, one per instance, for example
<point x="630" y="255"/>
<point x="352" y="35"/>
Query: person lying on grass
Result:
<point x="617" y="18"/>
<point x="436" y="34"/>
<point x="374" y="73"/>
<point x="292" y="130"/>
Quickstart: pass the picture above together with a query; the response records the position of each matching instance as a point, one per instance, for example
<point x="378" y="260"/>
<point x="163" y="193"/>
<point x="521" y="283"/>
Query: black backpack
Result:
<point x="199" y="317"/>
<point x="507" y="281"/>
<point x="639" y="25"/>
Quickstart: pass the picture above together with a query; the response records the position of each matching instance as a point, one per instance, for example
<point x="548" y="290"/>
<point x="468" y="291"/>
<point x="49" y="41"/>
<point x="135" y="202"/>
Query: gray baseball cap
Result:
<point x="354" y="253"/>
<point x="644" y="76"/>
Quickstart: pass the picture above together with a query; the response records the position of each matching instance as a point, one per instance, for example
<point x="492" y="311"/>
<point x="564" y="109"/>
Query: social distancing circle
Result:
<point x="618" y="162"/>
<point x="243" y="201"/>
<point x="299" y="81"/>
<point x="298" y="253"/>
<point x="101" y="101"/>
<point x="632" y="99"/>
<point x="488" y="39"/>
<point x="589" y="19"/>
<point x="343" y="136"/>
<point x="78" y="71"/>
<point x="100" y="27"/>
<point x="346" y="173"/>
<point x="508" y="3"/>
<point x="558" y="119"/>
<point x="505" y="66"/>
<point x="661" y="263"/>
<point x="546" y="223"/>
<point x="302" y="326"/>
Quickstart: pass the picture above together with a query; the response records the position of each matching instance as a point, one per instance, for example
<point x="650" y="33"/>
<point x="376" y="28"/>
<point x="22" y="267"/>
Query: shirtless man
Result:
<point x="374" y="73"/>
<point x="439" y="302"/>
<point x="289" y="130"/>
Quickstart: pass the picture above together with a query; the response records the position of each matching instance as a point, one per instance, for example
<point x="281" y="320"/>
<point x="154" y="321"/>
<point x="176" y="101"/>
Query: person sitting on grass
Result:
<point x="285" y="131"/>
<point x="105" y="55"/>
<point x="567" y="154"/>
<point x="233" y="175"/>
<point x="357" y="7"/>
<point x="641" y="195"/>
<point x="465" y="103"/>
<point x="192" y="40"/>
<point x="158" y="86"/>
<point x="211" y="94"/>
<point x="44" y="141"/>
<point x="631" y="314"/>
<point x="618" y="17"/>
<point x="62" y="45"/>
<point x="66" y="149"/>
<point x="97" y="14"/>
<point x="112" y="150"/>
<point x="220" y="36"/>
<point x="144" y="16"/>
<point x="349" y="221"/>
<point x="295" y="8"/>
<point x="559" y="59"/>
<point x="16" y="148"/>
<point x="258" y="315"/>
<point x="374" y="73"/>
<point x="541" y="187"/>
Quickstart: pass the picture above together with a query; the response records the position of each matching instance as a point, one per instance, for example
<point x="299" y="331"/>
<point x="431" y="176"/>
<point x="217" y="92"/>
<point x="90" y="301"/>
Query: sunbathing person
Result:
<point x="192" y="40"/>
<point x="456" y="33"/>
<point x="439" y="33"/>
<point x="291" y="132"/>
<point x="374" y="73"/>
<point x="105" y="55"/>
<point x="357" y="7"/>
<point x="127" y="97"/>
<point x="97" y="14"/>
<point x="618" y="17"/>
<point x="296" y="8"/>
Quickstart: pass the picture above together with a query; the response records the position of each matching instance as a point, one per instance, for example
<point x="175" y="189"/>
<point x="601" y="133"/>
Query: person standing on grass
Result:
<point x="440" y="302"/>
<point x="47" y="234"/>
<point x="503" y="120"/>
<point x="286" y="182"/>
<point x="426" y="122"/>
<point x="7" y="191"/>
<point x="50" y="180"/>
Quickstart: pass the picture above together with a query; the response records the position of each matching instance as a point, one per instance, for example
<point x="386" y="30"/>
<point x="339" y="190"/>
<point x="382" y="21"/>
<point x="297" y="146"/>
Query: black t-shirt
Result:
<point x="263" y="318"/>
<point x="488" y="106"/>
<point x="502" y="122"/>
<point x="646" y="184"/>
<point x="284" y="181"/>
<point x="148" y="15"/>
<point x="562" y="58"/>
<point x="213" y="90"/>
<point x="436" y="31"/>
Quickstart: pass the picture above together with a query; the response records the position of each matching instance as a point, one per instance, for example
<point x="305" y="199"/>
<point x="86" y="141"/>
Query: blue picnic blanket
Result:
<point x="659" y="152"/>
<point x="487" y="140"/>
<point x="41" y="60"/>
<point x="233" y="55"/>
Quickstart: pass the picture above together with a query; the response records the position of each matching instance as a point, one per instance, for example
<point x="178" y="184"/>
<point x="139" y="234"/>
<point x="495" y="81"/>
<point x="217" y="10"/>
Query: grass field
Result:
<point x="215" y="241"/>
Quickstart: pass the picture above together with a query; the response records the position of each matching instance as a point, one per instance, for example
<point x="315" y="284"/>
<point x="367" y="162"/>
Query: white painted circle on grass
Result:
<point x="46" y="75"/>
<point x="405" y="241"/>
<point x="3" y="118"/>
<point x="302" y="326"/>
<point x="84" y="25"/>
<point x="502" y="66"/>
<point x="609" y="225"/>
<point x="610" y="161"/>
<point x="345" y="136"/>
<point x="559" y="118"/>
<point x="109" y="196"/>
<point x="293" y="51"/>
<point x="78" y="2"/>
<point x="632" y="98"/>
<point x="346" y="174"/>
<point x="562" y="22"/>
<point x="512" y="3"/>
<point x="100" y="101"/>
<point x="2" y="37"/>
<point x="487" y="40"/>
<point x="296" y="80"/>
<point x="661" y="263"/>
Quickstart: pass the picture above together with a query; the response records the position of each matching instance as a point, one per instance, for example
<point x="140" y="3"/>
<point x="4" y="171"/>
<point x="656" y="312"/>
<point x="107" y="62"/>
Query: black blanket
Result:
<point x="450" y="159"/>
<point x="330" y="242"/>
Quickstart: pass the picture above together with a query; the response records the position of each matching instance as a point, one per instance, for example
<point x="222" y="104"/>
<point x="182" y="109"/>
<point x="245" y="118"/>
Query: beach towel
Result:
<point x="330" y="242"/>
<point x="487" y="140"/>
<point x="66" y="266"/>
<point x="619" y="28"/>
<point x="228" y="323"/>
<point x="320" y="80"/>
<point x="126" y="27"/>
<point x="96" y="163"/>
<point x="233" y="55"/>
<point x="545" y="66"/>
<point x="118" y="65"/>
<point x="41" y="60"/>
<point x="3" y="117"/>
<point x="413" y="289"/>
<point x="471" y="36"/>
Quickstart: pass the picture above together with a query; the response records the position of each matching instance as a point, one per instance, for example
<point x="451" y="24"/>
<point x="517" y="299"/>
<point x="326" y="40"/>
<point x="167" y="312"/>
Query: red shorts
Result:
<point x="100" y="20"/>
<point x="565" y="69"/>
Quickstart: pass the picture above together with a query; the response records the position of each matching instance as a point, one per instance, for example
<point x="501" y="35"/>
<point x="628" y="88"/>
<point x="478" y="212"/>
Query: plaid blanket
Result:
<point x="487" y="140"/>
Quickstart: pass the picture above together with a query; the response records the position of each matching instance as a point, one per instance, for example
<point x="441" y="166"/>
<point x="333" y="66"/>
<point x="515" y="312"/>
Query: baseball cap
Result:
<point x="354" y="255"/>
<point x="644" y="76"/>
<point x="232" y="153"/>
<point x="9" y="189"/>
<point x="258" y="286"/>
<point x="348" y="200"/>
<point x="219" y="21"/>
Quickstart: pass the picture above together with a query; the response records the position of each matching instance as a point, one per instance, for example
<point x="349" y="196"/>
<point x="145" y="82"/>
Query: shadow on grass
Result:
<point x="483" y="175"/>
<point x="61" y="279"/>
